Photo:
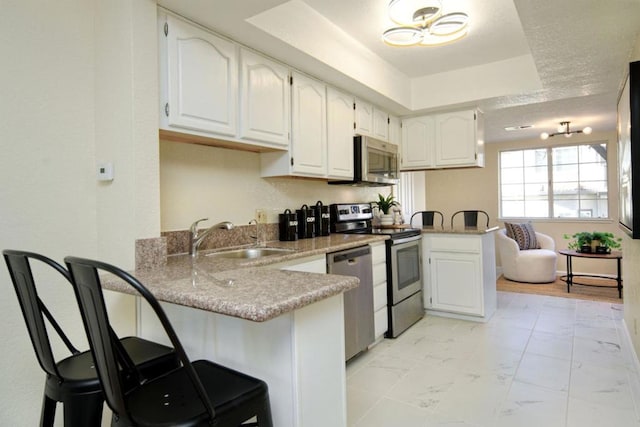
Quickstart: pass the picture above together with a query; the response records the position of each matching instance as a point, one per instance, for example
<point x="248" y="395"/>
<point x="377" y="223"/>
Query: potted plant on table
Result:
<point x="600" y="242"/>
<point x="604" y="241"/>
<point x="384" y="205"/>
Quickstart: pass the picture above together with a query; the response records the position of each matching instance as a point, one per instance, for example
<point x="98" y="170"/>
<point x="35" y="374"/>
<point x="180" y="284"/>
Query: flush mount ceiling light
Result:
<point x="563" y="129"/>
<point x="422" y="23"/>
<point x="518" y="127"/>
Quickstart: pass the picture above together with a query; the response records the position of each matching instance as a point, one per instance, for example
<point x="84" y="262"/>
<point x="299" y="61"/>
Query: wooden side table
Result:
<point x="570" y="254"/>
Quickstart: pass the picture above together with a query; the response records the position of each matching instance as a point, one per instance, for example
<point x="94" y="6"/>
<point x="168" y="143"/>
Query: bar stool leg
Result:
<point x="48" y="413"/>
<point x="84" y="411"/>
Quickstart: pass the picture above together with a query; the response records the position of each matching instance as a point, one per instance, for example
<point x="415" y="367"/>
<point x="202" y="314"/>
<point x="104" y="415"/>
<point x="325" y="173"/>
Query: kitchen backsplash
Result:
<point x="242" y="235"/>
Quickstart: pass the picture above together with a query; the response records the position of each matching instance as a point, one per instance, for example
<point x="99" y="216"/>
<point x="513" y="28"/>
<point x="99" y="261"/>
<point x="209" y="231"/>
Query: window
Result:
<point x="405" y="194"/>
<point x="556" y="182"/>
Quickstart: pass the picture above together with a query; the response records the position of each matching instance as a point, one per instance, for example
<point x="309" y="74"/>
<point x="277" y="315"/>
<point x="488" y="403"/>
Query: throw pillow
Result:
<point x="523" y="234"/>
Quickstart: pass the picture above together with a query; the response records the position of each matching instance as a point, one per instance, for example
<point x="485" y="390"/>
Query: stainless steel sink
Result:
<point x="248" y="253"/>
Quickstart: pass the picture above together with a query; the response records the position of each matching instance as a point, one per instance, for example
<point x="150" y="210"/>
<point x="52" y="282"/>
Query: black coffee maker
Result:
<point x="288" y="224"/>
<point x="323" y="218"/>
<point x="306" y="222"/>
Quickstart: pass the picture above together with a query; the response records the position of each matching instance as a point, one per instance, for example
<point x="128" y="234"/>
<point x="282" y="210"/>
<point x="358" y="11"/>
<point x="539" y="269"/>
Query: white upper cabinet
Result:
<point x="380" y="125"/>
<point x="364" y="118"/>
<point x="459" y="139"/>
<point x="395" y="130"/>
<point x="418" y="140"/>
<point x="265" y="99"/>
<point x="307" y="155"/>
<point x="339" y="134"/>
<point x="199" y="72"/>
<point x="309" y="126"/>
<point x="371" y="121"/>
<point x="447" y="140"/>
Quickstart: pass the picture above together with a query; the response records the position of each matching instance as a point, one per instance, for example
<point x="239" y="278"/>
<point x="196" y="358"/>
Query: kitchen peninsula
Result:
<point x="460" y="272"/>
<point x="278" y="318"/>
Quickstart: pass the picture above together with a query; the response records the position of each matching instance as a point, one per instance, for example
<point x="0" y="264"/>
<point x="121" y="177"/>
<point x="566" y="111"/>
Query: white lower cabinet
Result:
<point x="379" y="261"/>
<point x="460" y="277"/>
<point x="455" y="279"/>
<point x="300" y="354"/>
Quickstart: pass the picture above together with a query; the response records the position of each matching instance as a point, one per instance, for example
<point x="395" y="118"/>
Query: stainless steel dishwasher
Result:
<point x="358" y="302"/>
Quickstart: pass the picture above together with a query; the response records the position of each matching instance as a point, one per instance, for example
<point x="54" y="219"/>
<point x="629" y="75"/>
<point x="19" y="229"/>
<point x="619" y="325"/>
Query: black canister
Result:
<point x="306" y="222"/>
<point x="323" y="218"/>
<point x="288" y="226"/>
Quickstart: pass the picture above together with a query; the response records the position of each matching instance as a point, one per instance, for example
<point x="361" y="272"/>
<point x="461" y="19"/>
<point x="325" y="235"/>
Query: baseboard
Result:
<point x="634" y="377"/>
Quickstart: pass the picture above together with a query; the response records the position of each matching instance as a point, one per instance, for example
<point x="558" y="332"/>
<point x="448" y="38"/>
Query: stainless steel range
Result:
<point x="404" y="263"/>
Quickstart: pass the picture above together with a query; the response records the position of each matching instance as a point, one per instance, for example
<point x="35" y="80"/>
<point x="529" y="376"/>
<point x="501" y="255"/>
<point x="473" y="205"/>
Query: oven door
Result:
<point x="404" y="258"/>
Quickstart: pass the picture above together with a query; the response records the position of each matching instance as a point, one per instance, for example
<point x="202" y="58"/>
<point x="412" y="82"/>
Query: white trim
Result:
<point x="633" y="376"/>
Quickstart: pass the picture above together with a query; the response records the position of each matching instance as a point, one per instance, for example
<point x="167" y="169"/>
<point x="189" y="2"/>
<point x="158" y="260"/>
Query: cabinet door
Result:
<point x="265" y="100"/>
<point x="456" y="282"/>
<point x="418" y="137"/>
<point x="202" y="79"/>
<point x="339" y="134"/>
<point x="380" y="125"/>
<point x="309" y="127"/>
<point x="456" y="139"/>
<point x="395" y="130"/>
<point x="364" y="118"/>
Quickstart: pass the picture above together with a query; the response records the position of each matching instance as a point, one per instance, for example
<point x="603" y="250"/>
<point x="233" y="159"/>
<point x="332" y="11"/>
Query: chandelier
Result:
<point x="563" y="129"/>
<point x="423" y="23"/>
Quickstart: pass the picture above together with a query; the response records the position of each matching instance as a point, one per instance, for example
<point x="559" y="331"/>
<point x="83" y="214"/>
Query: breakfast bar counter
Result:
<point x="279" y="318"/>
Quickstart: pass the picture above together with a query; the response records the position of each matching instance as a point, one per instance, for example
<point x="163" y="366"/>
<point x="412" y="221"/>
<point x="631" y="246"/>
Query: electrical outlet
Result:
<point x="261" y="216"/>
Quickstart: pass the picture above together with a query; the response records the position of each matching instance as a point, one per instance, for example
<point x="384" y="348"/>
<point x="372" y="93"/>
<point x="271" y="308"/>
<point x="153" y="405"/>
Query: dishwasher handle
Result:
<point x="349" y="255"/>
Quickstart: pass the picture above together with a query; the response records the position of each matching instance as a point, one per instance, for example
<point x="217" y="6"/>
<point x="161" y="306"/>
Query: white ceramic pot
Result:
<point x="386" y="219"/>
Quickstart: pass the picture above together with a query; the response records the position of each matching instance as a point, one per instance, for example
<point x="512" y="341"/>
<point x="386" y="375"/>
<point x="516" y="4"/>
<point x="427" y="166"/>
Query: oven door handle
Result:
<point x="405" y="240"/>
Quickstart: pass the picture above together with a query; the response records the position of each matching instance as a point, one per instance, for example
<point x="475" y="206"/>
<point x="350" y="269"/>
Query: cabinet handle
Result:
<point x="166" y="109"/>
<point x="166" y="28"/>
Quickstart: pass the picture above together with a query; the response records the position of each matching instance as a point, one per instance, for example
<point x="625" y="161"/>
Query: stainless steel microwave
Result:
<point x="375" y="163"/>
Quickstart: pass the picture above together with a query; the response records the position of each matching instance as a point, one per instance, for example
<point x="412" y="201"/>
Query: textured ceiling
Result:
<point x="578" y="51"/>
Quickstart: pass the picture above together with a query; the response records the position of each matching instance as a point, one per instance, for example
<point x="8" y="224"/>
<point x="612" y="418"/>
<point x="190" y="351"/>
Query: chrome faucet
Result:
<point x="196" y="239"/>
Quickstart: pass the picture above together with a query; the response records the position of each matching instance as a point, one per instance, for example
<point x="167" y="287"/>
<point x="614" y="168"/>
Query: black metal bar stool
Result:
<point x="73" y="380"/>
<point x="199" y="393"/>
<point x="470" y="218"/>
<point x="428" y="218"/>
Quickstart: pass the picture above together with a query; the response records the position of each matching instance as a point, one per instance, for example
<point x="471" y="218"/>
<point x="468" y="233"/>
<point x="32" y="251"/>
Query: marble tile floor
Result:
<point x="540" y="361"/>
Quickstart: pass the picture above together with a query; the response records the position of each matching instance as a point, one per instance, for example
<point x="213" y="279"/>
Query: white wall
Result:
<point x="77" y="79"/>
<point x="631" y="269"/>
<point x="198" y="181"/>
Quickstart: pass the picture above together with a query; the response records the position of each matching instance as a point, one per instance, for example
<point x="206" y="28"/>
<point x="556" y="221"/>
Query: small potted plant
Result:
<point x="604" y="241"/>
<point x="384" y="205"/>
<point x="581" y="241"/>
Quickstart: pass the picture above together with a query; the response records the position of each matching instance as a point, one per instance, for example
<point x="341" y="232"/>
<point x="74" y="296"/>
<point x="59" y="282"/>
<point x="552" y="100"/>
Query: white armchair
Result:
<point x="531" y="265"/>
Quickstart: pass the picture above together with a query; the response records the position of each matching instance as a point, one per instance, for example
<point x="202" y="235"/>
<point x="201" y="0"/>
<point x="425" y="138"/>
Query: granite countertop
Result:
<point x="460" y="230"/>
<point x="244" y="288"/>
